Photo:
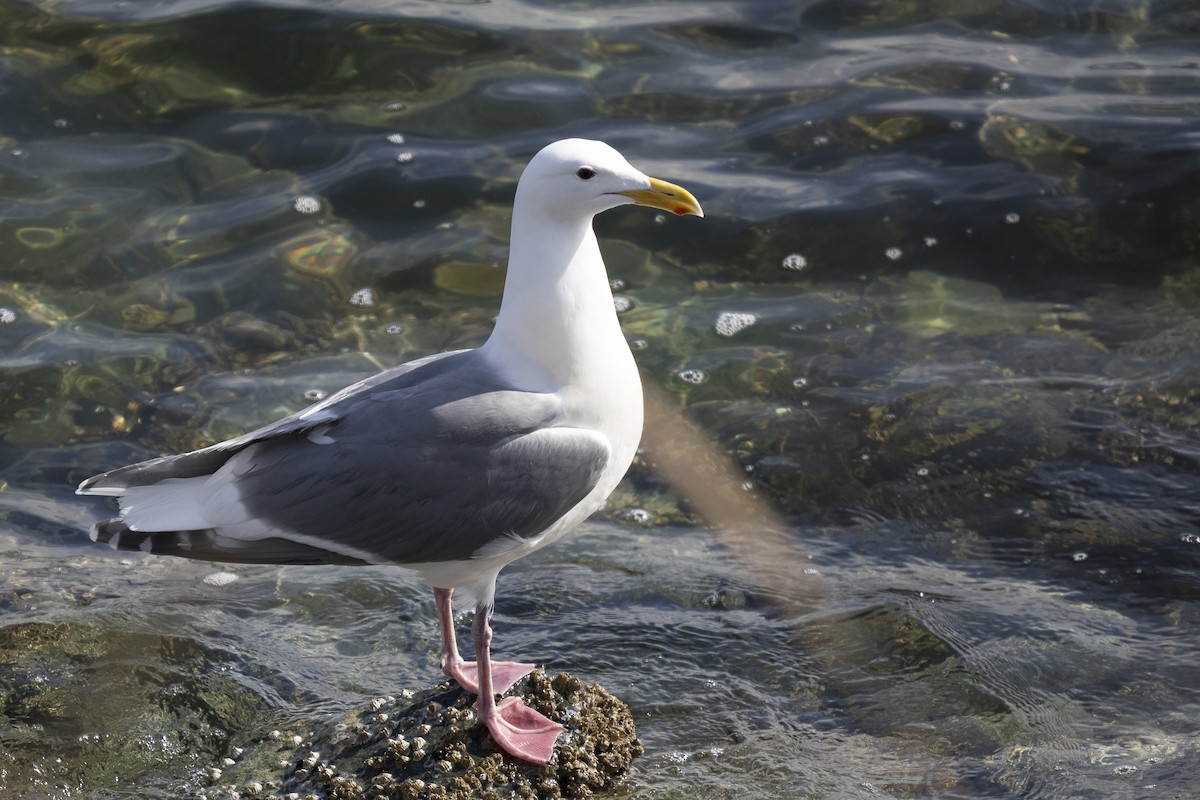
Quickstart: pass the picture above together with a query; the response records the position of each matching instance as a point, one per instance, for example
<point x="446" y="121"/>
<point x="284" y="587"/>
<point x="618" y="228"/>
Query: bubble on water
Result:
<point x="660" y="218"/>
<point x="1079" y="555"/>
<point x="638" y="344"/>
<point x="691" y="376"/>
<point x="922" y="471"/>
<point x="394" y="329"/>
<point x="418" y="203"/>
<point x="820" y="141"/>
<point x="405" y="157"/>
<point x="306" y="204"/>
<point x="7" y="316"/>
<point x="730" y="322"/>
<point x="622" y="303"/>
<point x="363" y="297"/>
<point x="957" y="125"/>
<point x="396" y="138"/>
<point x="794" y="261"/>
<point x="893" y="253"/>
<point x="220" y="578"/>
<point x="313" y="395"/>
<point x="445" y="226"/>
<point x="1012" y="219"/>
<point x="394" y="106"/>
<point x="616" y="284"/>
<point x="18" y="152"/>
<point x="1124" y="770"/>
<point x="61" y="123"/>
<point x="931" y="241"/>
<point x="800" y="383"/>
<point x="1004" y="86"/>
<point x="639" y="516"/>
<point x="798" y="327"/>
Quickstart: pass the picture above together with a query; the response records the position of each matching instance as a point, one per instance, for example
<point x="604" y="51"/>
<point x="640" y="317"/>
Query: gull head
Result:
<point x="584" y="177"/>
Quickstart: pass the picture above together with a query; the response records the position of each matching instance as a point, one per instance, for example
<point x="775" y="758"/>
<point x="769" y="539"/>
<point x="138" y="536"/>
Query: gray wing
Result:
<point x="422" y="467"/>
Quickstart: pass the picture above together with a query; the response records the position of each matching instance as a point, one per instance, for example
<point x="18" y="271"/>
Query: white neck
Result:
<point x="556" y="318"/>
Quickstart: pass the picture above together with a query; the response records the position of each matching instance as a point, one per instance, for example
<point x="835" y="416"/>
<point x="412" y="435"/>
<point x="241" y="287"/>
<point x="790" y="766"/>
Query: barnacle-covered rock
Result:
<point x="430" y="746"/>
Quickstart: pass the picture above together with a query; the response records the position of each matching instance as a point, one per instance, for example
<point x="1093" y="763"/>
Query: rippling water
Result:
<point x="928" y="367"/>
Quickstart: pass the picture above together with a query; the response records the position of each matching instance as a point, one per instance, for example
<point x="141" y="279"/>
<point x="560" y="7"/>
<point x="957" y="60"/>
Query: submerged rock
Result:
<point x="430" y="746"/>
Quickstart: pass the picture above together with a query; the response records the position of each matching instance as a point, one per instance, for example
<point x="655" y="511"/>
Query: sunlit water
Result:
<point x="940" y="323"/>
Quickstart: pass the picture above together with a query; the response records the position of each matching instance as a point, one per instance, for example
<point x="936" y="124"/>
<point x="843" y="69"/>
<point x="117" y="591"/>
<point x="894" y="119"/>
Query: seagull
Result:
<point x="452" y="465"/>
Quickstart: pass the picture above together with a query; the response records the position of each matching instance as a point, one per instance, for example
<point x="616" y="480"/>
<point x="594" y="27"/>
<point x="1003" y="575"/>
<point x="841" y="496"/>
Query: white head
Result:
<point x="557" y="326"/>
<point x="581" y="177"/>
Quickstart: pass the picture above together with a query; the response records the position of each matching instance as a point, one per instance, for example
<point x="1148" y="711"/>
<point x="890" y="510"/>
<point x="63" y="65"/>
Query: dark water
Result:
<point x="939" y="325"/>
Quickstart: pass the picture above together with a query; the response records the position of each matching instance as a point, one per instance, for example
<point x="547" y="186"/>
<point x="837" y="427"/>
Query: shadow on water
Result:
<point x="927" y="370"/>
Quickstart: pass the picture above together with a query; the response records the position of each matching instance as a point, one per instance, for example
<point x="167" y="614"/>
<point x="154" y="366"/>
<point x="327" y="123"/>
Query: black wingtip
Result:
<point x="117" y="535"/>
<point x="208" y="545"/>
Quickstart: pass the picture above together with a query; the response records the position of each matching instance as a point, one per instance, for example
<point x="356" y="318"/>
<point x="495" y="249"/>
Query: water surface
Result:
<point x="927" y="368"/>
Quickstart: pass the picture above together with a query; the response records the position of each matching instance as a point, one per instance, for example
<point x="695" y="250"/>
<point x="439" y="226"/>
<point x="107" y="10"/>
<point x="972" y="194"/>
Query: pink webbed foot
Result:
<point x="521" y="731"/>
<point x="504" y="675"/>
<point x="515" y="727"/>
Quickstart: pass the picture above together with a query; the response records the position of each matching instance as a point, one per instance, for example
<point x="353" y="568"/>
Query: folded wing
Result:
<point x="428" y="462"/>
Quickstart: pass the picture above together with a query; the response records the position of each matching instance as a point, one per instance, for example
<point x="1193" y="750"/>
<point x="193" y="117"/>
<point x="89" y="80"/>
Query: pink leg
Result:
<point x="516" y="728"/>
<point x="504" y="673"/>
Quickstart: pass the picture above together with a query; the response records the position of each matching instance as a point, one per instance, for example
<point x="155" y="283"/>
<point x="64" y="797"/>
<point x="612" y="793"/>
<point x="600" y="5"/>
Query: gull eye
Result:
<point x="585" y="173"/>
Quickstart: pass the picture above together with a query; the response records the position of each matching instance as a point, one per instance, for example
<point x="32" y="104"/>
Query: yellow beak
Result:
<point x="666" y="196"/>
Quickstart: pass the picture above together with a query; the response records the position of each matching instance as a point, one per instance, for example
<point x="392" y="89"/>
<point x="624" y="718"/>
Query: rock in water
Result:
<point x="429" y="746"/>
